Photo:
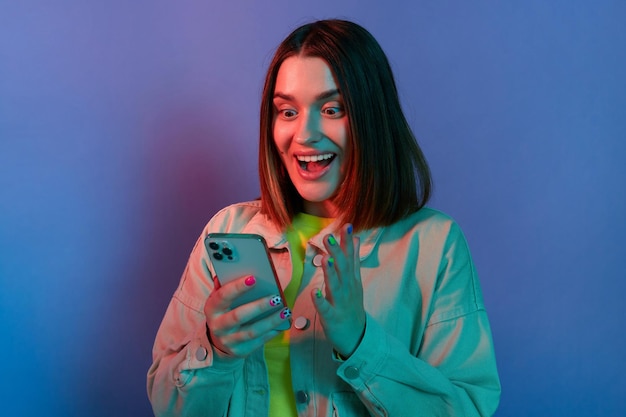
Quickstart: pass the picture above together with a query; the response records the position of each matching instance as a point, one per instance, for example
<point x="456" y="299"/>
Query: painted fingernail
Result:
<point x="349" y="229"/>
<point x="331" y="261"/>
<point x="276" y="301"/>
<point x="285" y="314"/>
<point x="318" y="293"/>
<point x="250" y="281"/>
<point x="332" y="240"/>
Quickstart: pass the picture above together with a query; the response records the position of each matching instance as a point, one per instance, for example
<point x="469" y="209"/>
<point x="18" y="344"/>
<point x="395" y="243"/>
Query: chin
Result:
<point x="316" y="196"/>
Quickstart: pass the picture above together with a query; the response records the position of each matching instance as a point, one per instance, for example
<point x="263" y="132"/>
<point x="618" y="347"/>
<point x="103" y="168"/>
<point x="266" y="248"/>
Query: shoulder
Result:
<point x="428" y="222"/>
<point x="430" y="216"/>
<point x="428" y="229"/>
<point x="245" y="217"/>
<point x="235" y="217"/>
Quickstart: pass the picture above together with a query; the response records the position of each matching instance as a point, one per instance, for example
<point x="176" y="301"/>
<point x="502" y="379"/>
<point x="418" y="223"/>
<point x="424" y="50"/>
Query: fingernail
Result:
<point x="250" y="281"/>
<point x="331" y="261"/>
<point x="318" y="293"/>
<point x="349" y="229"/>
<point x="332" y="240"/>
<point x="285" y="314"/>
<point x="276" y="301"/>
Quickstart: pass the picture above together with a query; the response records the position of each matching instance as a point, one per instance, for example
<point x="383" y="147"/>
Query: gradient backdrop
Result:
<point x="124" y="125"/>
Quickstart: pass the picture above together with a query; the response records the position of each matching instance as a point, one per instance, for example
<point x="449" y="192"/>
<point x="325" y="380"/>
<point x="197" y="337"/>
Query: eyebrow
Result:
<point x="321" y="96"/>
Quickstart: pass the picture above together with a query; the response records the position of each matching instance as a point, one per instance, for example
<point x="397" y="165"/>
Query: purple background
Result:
<point x="124" y="125"/>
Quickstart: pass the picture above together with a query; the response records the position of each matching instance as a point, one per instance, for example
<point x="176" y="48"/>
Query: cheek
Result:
<point x="281" y="137"/>
<point x="346" y="148"/>
<point x="343" y="140"/>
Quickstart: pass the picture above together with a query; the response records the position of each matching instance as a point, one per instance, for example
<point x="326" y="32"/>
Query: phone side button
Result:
<point x="301" y="323"/>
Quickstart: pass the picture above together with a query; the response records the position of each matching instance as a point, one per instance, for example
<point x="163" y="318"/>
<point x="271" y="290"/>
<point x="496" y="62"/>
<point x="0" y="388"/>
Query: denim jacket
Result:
<point x="426" y="351"/>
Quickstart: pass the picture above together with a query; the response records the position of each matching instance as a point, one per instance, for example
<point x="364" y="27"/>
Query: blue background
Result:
<point x="124" y="125"/>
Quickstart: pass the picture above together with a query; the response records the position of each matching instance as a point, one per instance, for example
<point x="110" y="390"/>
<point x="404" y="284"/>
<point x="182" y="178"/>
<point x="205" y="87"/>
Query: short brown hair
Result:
<point x="387" y="176"/>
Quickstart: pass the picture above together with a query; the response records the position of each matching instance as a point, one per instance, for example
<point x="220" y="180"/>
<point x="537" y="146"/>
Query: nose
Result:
<point x="308" y="130"/>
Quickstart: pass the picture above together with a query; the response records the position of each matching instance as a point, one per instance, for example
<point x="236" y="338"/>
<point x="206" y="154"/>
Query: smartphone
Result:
<point x="236" y="255"/>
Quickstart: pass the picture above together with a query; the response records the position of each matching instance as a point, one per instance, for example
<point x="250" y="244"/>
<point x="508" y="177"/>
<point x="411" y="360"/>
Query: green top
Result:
<point x="282" y="401"/>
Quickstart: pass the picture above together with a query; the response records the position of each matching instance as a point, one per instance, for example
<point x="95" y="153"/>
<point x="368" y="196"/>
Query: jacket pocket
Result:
<point x="347" y="404"/>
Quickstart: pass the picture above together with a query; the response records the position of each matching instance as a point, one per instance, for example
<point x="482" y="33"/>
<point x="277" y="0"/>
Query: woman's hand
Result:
<point x="341" y="309"/>
<point x="230" y="330"/>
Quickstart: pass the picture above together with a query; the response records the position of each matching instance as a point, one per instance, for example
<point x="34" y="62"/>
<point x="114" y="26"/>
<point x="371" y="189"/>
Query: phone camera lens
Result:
<point x="218" y="256"/>
<point x="214" y="245"/>
<point x="227" y="251"/>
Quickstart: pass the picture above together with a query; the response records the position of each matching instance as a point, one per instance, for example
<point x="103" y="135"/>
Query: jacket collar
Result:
<point x="277" y="239"/>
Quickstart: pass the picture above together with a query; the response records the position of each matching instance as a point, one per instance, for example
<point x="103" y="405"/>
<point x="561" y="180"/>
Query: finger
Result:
<point x="357" y="257"/>
<point x="222" y="298"/>
<point x="332" y="245"/>
<point x="343" y="253"/>
<point x="343" y="250"/>
<point x="321" y="304"/>
<point x="332" y="280"/>
<point x="246" y="347"/>
<point x="216" y="283"/>
<point x="336" y="259"/>
<point x="246" y="313"/>
<point x="347" y="242"/>
<point x="351" y="246"/>
<point x="257" y="329"/>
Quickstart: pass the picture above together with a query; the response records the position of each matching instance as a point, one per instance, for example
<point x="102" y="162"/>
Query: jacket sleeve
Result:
<point x="454" y="371"/>
<point x="187" y="377"/>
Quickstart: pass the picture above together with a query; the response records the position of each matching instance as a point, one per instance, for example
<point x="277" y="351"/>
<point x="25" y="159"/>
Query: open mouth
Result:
<point x="315" y="163"/>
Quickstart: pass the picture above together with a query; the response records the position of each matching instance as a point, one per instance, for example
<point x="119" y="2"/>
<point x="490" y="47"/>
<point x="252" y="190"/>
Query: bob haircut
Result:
<point x="387" y="176"/>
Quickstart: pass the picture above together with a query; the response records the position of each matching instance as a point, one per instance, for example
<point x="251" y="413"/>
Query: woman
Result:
<point x="389" y="317"/>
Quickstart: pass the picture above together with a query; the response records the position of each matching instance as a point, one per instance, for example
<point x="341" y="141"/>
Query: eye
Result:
<point x="334" y="111"/>
<point x="287" y="114"/>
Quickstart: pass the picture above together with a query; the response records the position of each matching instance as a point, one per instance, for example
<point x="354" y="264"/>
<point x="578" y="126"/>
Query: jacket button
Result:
<point x="201" y="353"/>
<point x="351" y="372"/>
<point x="317" y="260"/>
<point x="301" y="323"/>
<point x="302" y="397"/>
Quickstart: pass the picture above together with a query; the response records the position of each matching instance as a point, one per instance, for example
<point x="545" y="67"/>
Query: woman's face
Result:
<point x="311" y="131"/>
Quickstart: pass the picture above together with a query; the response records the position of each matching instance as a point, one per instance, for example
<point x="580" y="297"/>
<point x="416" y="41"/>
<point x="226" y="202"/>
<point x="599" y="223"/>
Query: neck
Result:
<point x="321" y="209"/>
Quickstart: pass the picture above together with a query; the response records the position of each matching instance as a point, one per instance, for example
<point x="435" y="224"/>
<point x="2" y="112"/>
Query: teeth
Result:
<point x="314" y="158"/>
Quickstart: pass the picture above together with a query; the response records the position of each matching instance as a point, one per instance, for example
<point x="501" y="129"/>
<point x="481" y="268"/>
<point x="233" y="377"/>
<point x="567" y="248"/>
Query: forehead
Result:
<point x="300" y="74"/>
